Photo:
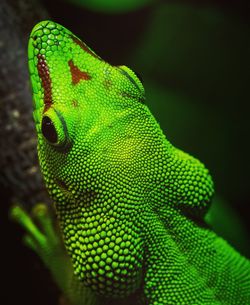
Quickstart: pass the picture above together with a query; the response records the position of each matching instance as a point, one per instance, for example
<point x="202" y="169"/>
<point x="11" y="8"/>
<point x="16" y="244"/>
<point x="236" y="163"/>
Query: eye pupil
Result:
<point x="48" y="130"/>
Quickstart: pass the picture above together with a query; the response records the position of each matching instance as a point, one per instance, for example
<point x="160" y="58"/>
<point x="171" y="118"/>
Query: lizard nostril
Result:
<point x="35" y="37"/>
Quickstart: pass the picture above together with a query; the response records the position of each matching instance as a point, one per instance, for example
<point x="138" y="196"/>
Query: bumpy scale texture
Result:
<point x="130" y="205"/>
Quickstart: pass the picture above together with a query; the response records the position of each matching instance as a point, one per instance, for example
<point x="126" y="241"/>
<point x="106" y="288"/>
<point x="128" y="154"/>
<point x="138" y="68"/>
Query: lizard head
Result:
<point x="102" y="155"/>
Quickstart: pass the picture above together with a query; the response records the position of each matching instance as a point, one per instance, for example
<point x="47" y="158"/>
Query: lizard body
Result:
<point x="131" y="206"/>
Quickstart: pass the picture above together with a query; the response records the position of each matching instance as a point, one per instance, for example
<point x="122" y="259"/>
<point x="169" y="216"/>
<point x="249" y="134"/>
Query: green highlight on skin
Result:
<point x="130" y="205"/>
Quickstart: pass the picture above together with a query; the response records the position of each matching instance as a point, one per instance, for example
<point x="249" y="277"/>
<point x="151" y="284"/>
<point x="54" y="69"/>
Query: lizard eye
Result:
<point x="138" y="76"/>
<point x="135" y="79"/>
<point x="54" y="129"/>
<point x="49" y="130"/>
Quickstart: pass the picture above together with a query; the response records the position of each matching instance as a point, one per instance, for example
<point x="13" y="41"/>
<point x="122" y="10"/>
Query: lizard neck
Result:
<point x="180" y="255"/>
<point x="167" y="267"/>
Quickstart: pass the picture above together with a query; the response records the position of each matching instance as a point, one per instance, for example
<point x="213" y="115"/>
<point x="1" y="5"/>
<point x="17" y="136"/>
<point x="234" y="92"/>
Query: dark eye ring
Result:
<point x="139" y="76"/>
<point x="49" y="130"/>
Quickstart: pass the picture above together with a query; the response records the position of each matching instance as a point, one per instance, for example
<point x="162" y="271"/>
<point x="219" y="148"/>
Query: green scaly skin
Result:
<point x="131" y="206"/>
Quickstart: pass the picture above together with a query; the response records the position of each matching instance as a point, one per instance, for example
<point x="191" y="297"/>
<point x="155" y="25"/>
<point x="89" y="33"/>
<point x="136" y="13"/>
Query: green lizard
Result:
<point x="130" y="205"/>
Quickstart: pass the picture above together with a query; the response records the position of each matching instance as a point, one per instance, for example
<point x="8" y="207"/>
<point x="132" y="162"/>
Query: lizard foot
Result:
<point x="43" y="237"/>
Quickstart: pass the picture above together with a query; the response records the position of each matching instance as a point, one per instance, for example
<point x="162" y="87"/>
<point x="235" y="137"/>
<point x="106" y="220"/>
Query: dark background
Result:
<point x="194" y="59"/>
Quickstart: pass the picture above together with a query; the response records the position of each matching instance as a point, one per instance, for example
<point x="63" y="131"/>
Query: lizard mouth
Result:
<point x="87" y="195"/>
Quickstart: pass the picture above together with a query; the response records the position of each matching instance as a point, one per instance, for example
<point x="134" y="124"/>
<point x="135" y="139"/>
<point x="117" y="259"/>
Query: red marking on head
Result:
<point x="84" y="46"/>
<point x="77" y="74"/>
<point x="43" y="72"/>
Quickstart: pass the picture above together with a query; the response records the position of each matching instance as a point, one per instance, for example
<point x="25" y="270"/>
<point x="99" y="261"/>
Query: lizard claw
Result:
<point x="41" y="235"/>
